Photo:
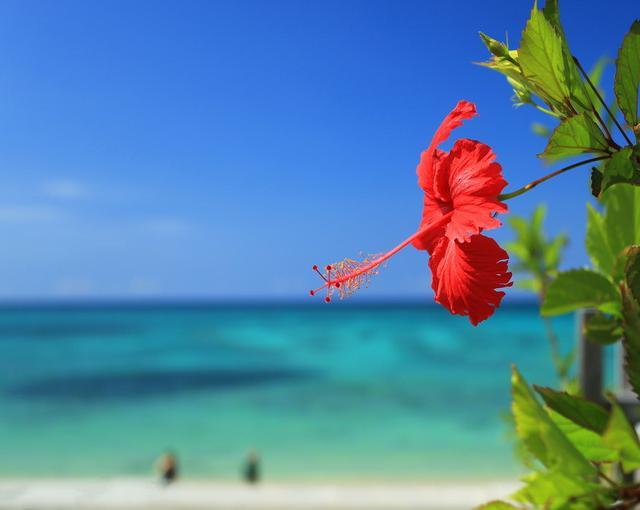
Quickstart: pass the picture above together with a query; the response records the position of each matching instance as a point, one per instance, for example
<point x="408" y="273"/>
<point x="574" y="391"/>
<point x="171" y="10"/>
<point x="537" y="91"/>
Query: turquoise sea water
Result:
<point x="323" y="392"/>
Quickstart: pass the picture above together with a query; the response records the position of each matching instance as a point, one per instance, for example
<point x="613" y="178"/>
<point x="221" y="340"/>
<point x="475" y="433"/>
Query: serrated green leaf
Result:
<point x="620" y="169"/>
<point x="631" y="320"/>
<point x="576" y="135"/>
<point x="541" y="436"/>
<point x="587" y="442"/>
<point x="632" y="271"/>
<point x="553" y="489"/>
<point x="580" y="288"/>
<point x="546" y="62"/>
<point x="602" y="329"/>
<point x="583" y="412"/>
<point x="551" y="11"/>
<point x="620" y="435"/>
<point x="541" y="57"/>
<point x="627" y="76"/>
<point x="597" y="241"/>
<point x="621" y="222"/>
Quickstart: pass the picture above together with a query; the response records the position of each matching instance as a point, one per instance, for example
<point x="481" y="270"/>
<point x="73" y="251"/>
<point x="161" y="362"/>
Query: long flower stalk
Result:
<point x="533" y="184"/>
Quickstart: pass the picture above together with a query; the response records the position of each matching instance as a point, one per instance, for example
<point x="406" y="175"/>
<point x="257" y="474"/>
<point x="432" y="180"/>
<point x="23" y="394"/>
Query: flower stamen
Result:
<point x="349" y="275"/>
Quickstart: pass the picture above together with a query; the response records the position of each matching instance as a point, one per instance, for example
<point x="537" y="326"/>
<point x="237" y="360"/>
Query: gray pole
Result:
<point x="590" y="363"/>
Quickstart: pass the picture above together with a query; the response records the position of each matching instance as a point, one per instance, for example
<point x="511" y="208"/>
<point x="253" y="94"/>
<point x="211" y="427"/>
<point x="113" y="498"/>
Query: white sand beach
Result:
<point x="138" y="494"/>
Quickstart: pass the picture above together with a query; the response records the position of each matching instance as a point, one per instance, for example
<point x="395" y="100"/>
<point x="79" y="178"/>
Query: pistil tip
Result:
<point x="312" y="292"/>
<point x="328" y="268"/>
<point x="327" y="299"/>
<point x="315" y="268"/>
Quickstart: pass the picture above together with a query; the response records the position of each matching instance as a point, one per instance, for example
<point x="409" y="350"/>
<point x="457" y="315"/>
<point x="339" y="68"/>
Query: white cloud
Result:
<point x="65" y="189"/>
<point x="28" y="214"/>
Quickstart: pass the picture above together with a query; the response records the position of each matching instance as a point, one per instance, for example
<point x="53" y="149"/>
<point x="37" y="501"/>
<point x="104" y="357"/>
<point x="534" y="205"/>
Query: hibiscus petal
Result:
<point x="431" y="212"/>
<point x="463" y="110"/>
<point x="465" y="276"/>
<point x="471" y="181"/>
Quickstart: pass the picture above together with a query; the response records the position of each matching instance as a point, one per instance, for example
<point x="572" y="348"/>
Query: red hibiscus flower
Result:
<point x="461" y="189"/>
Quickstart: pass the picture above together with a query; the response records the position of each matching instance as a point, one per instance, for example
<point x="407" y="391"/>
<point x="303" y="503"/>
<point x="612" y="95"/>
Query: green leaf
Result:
<point x="632" y="271"/>
<point x="583" y="412"/>
<point x="631" y="320"/>
<point x="554" y="489"/>
<point x="535" y="255"/>
<point x="576" y="135"/>
<point x="509" y="67"/>
<point x="627" y="76"/>
<point x="541" y="57"/>
<point x="537" y="219"/>
<point x="622" y="221"/>
<point x="620" y="435"/>
<point x="541" y="436"/>
<point x="602" y="329"/>
<point x="552" y="13"/>
<point x="497" y="505"/>
<point x="553" y="251"/>
<point x="546" y="62"/>
<point x="580" y="288"/>
<point x="597" y="241"/>
<point x="596" y="182"/>
<point x="619" y="169"/>
<point x="586" y="441"/>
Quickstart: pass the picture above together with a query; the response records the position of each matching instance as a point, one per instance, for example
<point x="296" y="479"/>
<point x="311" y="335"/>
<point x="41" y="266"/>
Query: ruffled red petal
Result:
<point x="470" y="181"/>
<point x="432" y="211"/>
<point x="463" y="110"/>
<point x="465" y="276"/>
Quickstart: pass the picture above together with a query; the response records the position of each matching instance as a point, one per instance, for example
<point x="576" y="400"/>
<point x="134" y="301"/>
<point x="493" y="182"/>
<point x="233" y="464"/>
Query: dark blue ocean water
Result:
<point x="323" y="392"/>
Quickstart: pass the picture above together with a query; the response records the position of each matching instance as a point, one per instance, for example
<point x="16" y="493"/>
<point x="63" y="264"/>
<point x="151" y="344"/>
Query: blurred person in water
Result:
<point x="251" y="471"/>
<point x="167" y="467"/>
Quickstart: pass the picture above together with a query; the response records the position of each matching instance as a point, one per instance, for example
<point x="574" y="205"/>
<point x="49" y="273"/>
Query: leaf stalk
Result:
<point x="533" y="184"/>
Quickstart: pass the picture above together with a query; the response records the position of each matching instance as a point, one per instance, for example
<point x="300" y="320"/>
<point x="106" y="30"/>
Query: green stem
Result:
<point x="607" y="133"/>
<point x="547" y="111"/>
<point x="595" y="91"/>
<point x="533" y="184"/>
<point x="607" y="479"/>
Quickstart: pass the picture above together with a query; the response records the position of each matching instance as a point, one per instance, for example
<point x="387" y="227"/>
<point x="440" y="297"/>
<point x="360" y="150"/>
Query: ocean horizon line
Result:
<point x="215" y="302"/>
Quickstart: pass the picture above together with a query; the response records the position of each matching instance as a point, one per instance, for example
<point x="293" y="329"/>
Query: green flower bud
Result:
<point x="495" y="47"/>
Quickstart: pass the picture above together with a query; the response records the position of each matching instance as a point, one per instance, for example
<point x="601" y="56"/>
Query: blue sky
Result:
<point x="218" y="149"/>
